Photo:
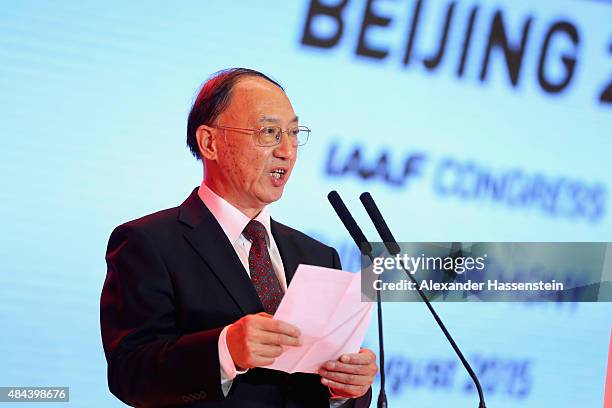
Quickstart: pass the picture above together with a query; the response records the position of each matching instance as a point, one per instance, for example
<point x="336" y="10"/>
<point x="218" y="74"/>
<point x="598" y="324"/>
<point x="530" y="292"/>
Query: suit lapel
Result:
<point x="289" y="252"/>
<point x="210" y="242"/>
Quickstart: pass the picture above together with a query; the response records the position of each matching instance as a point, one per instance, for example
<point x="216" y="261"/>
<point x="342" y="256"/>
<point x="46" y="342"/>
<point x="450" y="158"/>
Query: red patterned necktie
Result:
<point x="262" y="273"/>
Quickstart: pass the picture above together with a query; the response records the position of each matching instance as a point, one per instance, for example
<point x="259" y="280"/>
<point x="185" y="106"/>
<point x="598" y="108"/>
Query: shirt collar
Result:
<point x="231" y="219"/>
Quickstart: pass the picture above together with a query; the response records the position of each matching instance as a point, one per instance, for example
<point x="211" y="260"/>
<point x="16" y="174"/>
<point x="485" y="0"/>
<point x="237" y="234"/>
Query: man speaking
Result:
<point x="190" y="291"/>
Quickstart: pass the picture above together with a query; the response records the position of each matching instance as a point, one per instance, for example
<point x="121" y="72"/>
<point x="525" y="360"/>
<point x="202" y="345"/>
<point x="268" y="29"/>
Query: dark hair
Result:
<point x="213" y="98"/>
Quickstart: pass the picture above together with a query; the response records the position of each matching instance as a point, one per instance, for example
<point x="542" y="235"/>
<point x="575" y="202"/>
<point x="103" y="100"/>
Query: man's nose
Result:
<point x="287" y="148"/>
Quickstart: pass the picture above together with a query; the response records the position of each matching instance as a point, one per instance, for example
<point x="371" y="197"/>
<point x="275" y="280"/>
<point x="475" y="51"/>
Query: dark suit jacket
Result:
<point x="173" y="282"/>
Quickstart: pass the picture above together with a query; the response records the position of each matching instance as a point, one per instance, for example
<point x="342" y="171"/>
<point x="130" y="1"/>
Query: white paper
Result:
<point x="325" y="304"/>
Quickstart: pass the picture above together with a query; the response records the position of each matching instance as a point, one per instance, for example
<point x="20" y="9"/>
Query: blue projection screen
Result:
<point x="467" y="121"/>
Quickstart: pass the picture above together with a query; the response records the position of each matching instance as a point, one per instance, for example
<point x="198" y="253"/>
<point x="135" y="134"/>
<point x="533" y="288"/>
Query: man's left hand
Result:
<point x="351" y="375"/>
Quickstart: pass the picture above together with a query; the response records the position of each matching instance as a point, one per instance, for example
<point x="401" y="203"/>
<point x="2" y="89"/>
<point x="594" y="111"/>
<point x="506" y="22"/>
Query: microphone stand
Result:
<point x="394" y="249"/>
<point x="382" y="396"/>
<point x="366" y="249"/>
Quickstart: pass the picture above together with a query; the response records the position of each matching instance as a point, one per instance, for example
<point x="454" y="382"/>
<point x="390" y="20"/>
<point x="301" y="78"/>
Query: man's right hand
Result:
<point x="256" y="340"/>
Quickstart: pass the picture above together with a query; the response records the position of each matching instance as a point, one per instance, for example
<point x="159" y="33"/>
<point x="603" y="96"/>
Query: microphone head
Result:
<point x="334" y="198"/>
<point x="379" y="223"/>
<point x="349" y="222"/>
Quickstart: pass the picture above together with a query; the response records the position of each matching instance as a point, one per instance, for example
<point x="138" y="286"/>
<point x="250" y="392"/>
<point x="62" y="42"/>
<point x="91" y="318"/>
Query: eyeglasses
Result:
<point x="272" y="135"/>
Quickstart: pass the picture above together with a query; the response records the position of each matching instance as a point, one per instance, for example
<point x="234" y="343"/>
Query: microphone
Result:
<point x="366" y="249"/>
<point x="393" y="248"/>
<point x="380" y="224"/>
<point x="349" y="223"/>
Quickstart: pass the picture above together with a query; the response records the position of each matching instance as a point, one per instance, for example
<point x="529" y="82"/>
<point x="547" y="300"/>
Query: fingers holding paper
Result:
<point x="256" y="340"/>
<point x="351" y="375"/>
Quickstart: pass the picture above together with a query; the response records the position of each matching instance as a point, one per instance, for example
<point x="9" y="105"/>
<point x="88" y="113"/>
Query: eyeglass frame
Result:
<point x="256" y="131"/>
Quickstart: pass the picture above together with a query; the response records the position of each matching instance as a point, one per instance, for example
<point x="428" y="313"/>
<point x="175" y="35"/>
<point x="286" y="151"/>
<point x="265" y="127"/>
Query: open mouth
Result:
<point x="278" y="173"/>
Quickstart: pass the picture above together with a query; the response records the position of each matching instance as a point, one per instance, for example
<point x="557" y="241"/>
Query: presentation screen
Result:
<point x="467" y="121"/>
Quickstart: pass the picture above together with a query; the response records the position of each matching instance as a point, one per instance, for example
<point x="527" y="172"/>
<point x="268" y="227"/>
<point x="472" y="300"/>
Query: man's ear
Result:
<point x="207" y="142"/>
